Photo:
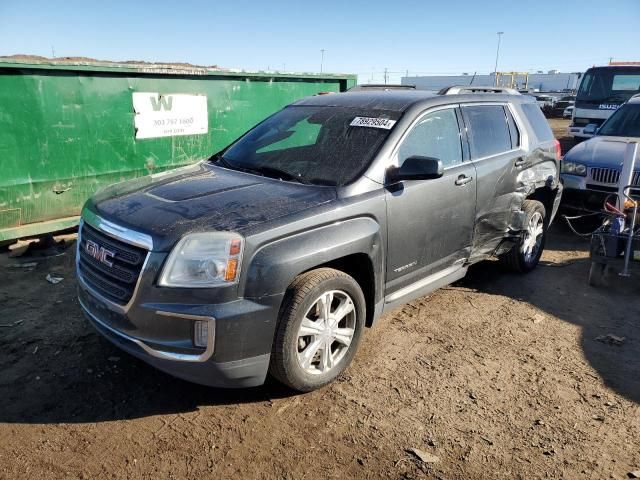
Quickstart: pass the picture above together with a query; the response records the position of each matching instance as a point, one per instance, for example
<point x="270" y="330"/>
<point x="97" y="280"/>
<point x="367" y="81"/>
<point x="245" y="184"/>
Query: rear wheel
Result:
<point x="319" y="329"/>
<point x="525" y="255"/>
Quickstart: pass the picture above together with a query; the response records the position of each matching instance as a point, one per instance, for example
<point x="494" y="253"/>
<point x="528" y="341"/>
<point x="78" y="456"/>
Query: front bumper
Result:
<point x="578" y="198"/>
<point x="157" y="325"/>
<point x="204" y="366"/>
<point x="248" y="372"/>
<point x="577" y="132"/>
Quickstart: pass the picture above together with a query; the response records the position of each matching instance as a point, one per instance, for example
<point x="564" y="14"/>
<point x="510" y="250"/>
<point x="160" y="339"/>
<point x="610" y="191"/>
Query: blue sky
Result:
<point x="362" y="37"/>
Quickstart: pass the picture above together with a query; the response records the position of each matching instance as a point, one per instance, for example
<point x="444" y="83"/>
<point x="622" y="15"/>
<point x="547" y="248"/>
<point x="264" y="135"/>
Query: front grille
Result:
<point x="118" y="280"/>
<point x="611" y="176"/>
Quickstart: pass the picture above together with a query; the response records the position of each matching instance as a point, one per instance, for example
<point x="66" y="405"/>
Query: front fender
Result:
<point x="273" y="266"/>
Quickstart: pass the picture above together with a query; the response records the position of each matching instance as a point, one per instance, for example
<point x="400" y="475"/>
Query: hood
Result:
<point x="600" y="152"/>
<point x="202" y="197"/>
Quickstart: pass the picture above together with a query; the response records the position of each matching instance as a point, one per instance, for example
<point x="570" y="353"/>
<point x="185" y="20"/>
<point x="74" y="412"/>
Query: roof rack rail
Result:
<point x="382" y="86"/>
<point x="457" y="89"/>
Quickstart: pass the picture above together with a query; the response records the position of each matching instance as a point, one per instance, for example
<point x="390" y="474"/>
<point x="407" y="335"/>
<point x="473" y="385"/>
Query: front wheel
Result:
<point x="319" y="329"/>
<point x="525" y="255"/>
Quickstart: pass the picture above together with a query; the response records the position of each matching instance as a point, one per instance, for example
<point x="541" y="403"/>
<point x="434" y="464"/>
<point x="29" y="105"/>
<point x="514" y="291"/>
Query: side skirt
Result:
<point x="424" y="286"/>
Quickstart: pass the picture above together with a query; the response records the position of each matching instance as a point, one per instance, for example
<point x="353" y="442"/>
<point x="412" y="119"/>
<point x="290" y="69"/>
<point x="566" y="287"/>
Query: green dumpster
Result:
<point x="67" y="130"/>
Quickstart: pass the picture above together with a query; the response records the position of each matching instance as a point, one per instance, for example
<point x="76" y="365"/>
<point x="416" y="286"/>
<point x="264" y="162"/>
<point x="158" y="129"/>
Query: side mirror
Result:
<point x="590" y="129"/>
<point x="417" y="168"/>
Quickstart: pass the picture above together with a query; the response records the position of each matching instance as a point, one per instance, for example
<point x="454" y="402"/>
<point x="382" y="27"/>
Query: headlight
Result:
<point x="573" y="168"/>
<point x="204" y="260"/>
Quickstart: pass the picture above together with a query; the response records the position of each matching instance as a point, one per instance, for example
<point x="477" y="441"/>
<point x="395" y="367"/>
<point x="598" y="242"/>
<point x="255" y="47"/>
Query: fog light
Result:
<point x="200" y="333"/>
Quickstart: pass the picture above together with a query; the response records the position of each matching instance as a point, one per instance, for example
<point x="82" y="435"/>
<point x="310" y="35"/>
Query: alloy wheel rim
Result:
<point x="326" y="332"/>
<point x="533" y="237"/>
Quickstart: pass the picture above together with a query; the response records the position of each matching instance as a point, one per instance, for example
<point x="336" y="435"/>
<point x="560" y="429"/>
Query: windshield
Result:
<point x="315" y="145"/>
<point x="609" y="85"/>
<point x="625" y="122"/>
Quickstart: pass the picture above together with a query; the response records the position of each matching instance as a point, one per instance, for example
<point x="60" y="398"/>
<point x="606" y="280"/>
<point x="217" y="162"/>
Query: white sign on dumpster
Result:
<point x="169" y="114"/>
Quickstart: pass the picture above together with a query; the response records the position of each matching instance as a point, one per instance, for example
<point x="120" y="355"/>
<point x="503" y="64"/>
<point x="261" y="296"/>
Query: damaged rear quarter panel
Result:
<point x="502" y="189"/>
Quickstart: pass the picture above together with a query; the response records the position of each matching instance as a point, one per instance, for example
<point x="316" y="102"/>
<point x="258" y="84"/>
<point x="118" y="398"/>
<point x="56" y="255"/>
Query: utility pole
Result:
<point x="321" y="59"/>
<point x="610" y="60"/>
<point x="53" y="52"/>
<point x="385" y="75"/>
<point x="495" y="68"/>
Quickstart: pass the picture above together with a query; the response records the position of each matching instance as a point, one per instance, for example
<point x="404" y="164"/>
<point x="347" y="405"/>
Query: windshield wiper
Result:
<point x="263" y="170"/>
<point x="273" y="172"/>
<point x="611" y="98"/>
<point x="219" y="159"/>
<point x="617" y="98"/>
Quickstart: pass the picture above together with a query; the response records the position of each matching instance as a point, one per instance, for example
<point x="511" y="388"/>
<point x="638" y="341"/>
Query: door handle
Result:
<point x="463" y="180"/>
<point x="520" y="162"/>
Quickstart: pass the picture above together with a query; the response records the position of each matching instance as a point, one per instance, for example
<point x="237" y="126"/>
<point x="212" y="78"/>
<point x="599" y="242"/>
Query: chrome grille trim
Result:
<point x="123" y="234"/>
<point x="606" y="176"/>
<point x="110" y="304"/>
<point x="116" y="280"/>
<point x="610" y="176"/>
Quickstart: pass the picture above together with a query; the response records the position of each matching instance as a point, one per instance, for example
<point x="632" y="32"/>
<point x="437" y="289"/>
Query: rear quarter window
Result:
<point x="537" y="121"/>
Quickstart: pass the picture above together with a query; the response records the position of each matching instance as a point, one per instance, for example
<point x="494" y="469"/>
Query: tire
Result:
<point x="525" y="256"/>
<point x="597" y="274"/>
<point x="300" y="361"/>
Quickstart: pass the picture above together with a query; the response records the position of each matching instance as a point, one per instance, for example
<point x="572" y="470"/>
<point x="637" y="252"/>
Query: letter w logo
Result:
<point x="161" y="103"/>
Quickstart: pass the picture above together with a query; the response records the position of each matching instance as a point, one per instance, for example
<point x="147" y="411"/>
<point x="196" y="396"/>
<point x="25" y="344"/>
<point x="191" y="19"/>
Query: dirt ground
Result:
<point x="498" y="376"/>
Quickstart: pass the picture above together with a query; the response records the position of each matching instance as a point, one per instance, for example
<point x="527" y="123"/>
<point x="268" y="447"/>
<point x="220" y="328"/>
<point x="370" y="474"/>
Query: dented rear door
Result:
<point x="494" y="144"/>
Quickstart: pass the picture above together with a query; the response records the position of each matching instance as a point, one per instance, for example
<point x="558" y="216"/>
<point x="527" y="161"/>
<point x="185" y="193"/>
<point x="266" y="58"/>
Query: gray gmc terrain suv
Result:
<point x="274" y="254"/>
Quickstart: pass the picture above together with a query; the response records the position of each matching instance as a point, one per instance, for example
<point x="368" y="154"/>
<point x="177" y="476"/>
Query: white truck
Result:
<point x="601" y="92"/>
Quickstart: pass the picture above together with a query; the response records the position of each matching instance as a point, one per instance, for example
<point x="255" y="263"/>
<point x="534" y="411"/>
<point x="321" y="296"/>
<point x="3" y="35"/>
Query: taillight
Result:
<point x="558" y="150"/>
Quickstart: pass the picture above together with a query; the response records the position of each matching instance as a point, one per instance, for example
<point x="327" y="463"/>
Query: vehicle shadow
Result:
<point x="560" y="289"/>
<point x="59" y="370"/>
<point x="116" y="386"/>
<point x="55" y="368"/>
<point x="572" y="235"/>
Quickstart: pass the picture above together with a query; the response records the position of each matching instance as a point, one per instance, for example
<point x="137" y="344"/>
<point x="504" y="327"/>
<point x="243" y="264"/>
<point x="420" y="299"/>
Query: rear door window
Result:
<point x="487" y="129"/>
<point x="538" y="122"/>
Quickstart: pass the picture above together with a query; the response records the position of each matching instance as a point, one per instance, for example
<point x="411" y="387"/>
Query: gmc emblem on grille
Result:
<point x="99" y="253"/>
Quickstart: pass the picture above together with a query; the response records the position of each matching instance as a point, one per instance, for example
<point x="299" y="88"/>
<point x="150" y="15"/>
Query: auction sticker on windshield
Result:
<point x="169" y="115"/>
<point x="373" y="122"/>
